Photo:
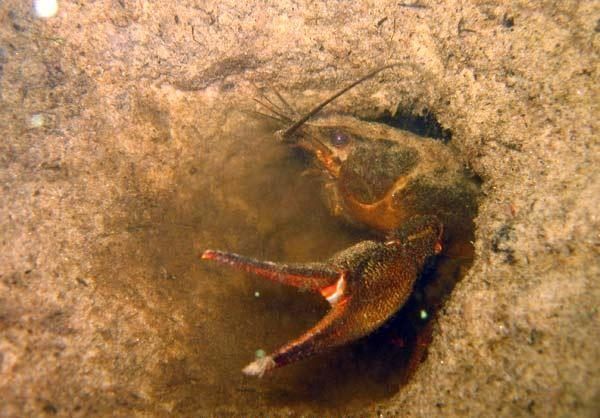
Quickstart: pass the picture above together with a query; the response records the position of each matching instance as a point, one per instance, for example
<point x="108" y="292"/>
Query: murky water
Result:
<point x="259" y="203"/>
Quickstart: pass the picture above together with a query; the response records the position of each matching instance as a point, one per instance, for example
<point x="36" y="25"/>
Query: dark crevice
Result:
<point x="423" y="125"/>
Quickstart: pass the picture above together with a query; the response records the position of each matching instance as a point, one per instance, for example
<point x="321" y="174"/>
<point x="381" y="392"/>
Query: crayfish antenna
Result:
<point x="297" y="124"/>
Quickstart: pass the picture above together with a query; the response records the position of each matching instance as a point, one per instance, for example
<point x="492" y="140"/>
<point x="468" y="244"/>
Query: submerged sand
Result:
<point x="126" y="151"/>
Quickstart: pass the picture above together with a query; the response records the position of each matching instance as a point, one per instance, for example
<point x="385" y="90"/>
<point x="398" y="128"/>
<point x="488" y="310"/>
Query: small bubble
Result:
<point x="36" y="121"/>
<point x="45" y="8"/>
<point x="423" y="314"/>
<point x="257" y="294"/>
<point x="260" y="353"/>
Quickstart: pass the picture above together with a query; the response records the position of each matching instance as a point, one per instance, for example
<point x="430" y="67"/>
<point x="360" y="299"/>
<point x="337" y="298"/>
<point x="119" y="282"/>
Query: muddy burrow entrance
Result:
<point x="244" y="191"/>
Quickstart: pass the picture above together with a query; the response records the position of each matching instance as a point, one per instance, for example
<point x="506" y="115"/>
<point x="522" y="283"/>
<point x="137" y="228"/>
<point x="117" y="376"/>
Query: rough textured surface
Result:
<point x="125" y="153"/>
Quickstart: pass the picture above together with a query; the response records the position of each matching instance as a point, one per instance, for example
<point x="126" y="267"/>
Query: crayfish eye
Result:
<point x="339" y="139"/>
